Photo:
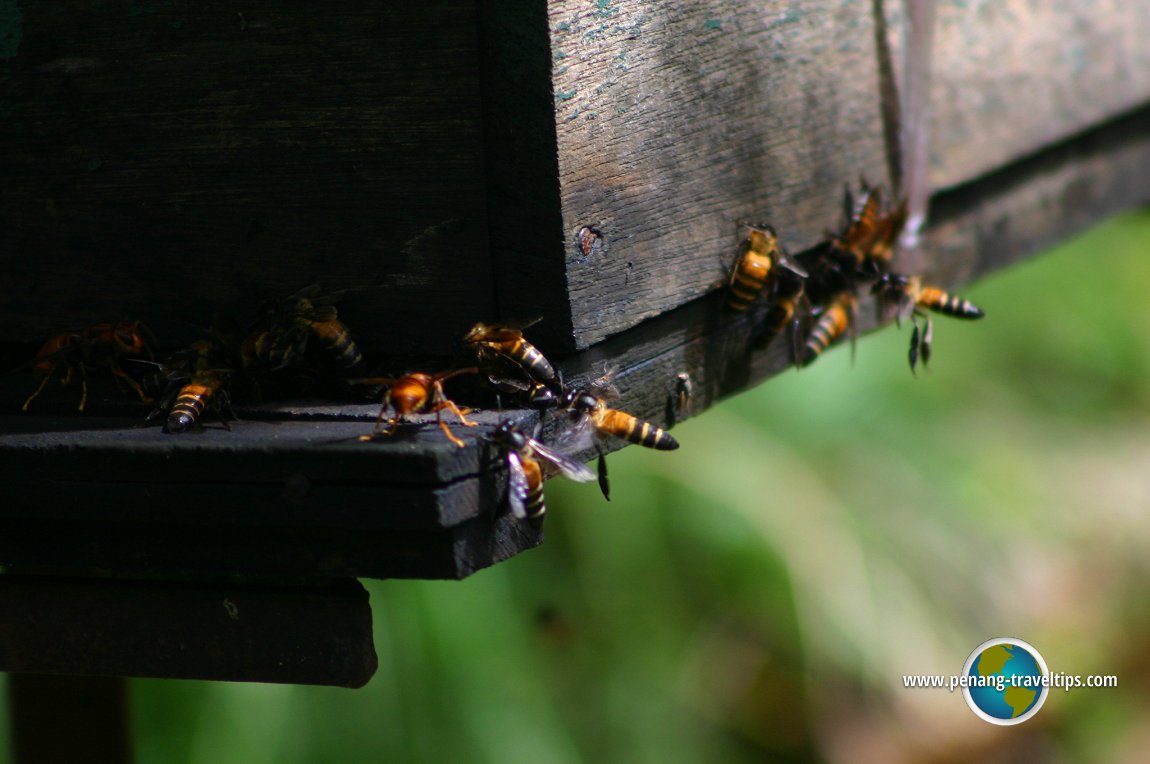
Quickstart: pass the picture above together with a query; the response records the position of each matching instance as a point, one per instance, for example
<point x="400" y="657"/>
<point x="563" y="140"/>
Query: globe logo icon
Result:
<point x="1006" y="681"/>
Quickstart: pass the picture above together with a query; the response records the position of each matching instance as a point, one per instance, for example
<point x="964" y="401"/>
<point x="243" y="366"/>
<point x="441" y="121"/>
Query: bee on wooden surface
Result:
<point x="760" y="257"/>
<point x="498" y="344"/>
<point x="527" y="460"/>
<point x="198" y="379"/>
<point x="100" y="346"/>
<point x="907" y="295"/>
<point x="416" y="393"/>
<point x="307" y="317"/>
<point x="789" y="308"/>
<point x="836" y="319"/>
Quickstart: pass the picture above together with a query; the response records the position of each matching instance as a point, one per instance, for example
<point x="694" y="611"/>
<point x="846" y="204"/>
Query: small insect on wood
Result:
<point x="416" y="393"/>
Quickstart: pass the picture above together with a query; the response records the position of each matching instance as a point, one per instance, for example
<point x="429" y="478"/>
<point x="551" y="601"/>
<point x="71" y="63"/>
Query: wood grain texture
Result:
<point x="1013" y="77"/>
<point x="674" y="126"/>
<point x="162" y="160"/>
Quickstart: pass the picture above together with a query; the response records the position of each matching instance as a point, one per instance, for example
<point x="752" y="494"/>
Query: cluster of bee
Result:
<point x="300" y="336"/>
<point x="513" y="367"/>
<point x="814" y="295"/>
<point x="303" y="336"/>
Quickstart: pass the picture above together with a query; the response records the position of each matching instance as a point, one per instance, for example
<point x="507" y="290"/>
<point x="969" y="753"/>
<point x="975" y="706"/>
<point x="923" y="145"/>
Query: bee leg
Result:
<point x="604" y="483"/>
<point x="450" y="406"/>
<point x="853" y="327"/>
<point x="121" y="374"/>
<point x="378" y="430"/>
<point x="443" y="425"/>
<point x="914" y="342"/>
<point x="225" y="402"/>
<point x="83" y="389"/>
<point x="39" y="388"/>
<point x="926" y="338"/>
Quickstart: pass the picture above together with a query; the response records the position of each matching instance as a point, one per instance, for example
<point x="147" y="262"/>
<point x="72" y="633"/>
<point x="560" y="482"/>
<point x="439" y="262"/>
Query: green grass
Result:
<point x="758" y="594"/>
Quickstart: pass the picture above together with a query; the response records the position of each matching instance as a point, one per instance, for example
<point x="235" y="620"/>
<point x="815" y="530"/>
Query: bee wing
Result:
<point x="604" y="387"/>
<point x="571" y="469"/>
<point x="787" y="262"/>
<point x="517" y="487"/>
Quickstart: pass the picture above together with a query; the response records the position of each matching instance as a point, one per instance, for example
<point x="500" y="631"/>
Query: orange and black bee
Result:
<point x="907" y="295"/>
<point x="497" y="345"/>
<point x="591" y="417"/>
<point x="416" y="393"/>
<point x="836" y="319"/>
<point x="526" y="459"/>
<point x="758" y="254"/>
<point x="789" y="308"/>
<point x="198" y="379"/>
<point x="101" y="346"/>
<point x="287" y="330"/>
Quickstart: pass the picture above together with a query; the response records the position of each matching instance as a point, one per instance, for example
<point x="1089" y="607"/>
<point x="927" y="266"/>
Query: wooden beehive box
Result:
<point x="587" y="161"/>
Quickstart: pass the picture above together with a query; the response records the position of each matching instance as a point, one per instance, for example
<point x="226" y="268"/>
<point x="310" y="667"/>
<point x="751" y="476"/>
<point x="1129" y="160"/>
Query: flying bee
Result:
<point x="306" y="317"/>
<point x="198" y="380"/>
<point x="100" y="346"/>
<point x="526" y="460"/>
<point x="907" y="295"/>
<point x="835" y="320"/>
<point x="591" y="417"/>
<point x="416" y="393"/>
<point x="499" y="343"/>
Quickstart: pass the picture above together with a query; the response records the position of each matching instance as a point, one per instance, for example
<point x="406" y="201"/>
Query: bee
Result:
<point x="500" y="344"/>
<point x="759" y="253"/>
<point x="835" y="320"/>
<point x="198" y="381"/>
<point x="906" y="294"/>
<point x="95" y="347"/>
<point x="526" y="459"/>
<point x="416" y="393"/>
<point x="591" y="417"/>
<point x="307" y="316"/>
<point x="789" y="308"/>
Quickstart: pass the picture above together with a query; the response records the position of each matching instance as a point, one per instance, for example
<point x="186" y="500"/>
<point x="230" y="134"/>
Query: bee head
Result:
<point x="509" y="436"/>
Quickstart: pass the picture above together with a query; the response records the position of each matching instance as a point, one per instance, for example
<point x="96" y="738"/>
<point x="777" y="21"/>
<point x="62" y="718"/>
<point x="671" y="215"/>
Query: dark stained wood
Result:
<point x="164" y="160"/>
<point x="585" y="162"/>
<point x="237" y="631"/>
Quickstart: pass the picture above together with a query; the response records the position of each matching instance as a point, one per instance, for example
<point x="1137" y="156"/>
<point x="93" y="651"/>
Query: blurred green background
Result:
<point x="759" y="594"/>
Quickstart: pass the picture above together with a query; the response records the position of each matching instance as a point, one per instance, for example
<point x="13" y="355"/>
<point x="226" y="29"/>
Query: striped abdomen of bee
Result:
<point x="274" y="349"/>
<point x="933" y="298"/>
<point x="508" y="342"/>
<point x="752" y="269"/>
<point x="632" y="429"/>
<point x="832" y="325"/>
<point x="533" y="500"/>
<point x="193" y="399"/>
<point x="337" y="341"/>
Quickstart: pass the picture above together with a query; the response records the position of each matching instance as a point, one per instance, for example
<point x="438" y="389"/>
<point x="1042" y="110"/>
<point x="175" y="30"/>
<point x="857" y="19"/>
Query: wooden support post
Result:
<point x="69" y="718"/>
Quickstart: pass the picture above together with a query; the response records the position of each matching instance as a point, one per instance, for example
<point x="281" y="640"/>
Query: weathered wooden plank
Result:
<point x="977" y="228"/>
<point x="673" y="126"/>
<point x="316" y="633"/>
<point x="1013" y="77"/>
<point x="165" y="160"/>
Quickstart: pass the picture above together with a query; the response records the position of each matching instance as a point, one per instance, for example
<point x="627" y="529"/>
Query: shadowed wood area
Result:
<point x="587" y="162"/>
